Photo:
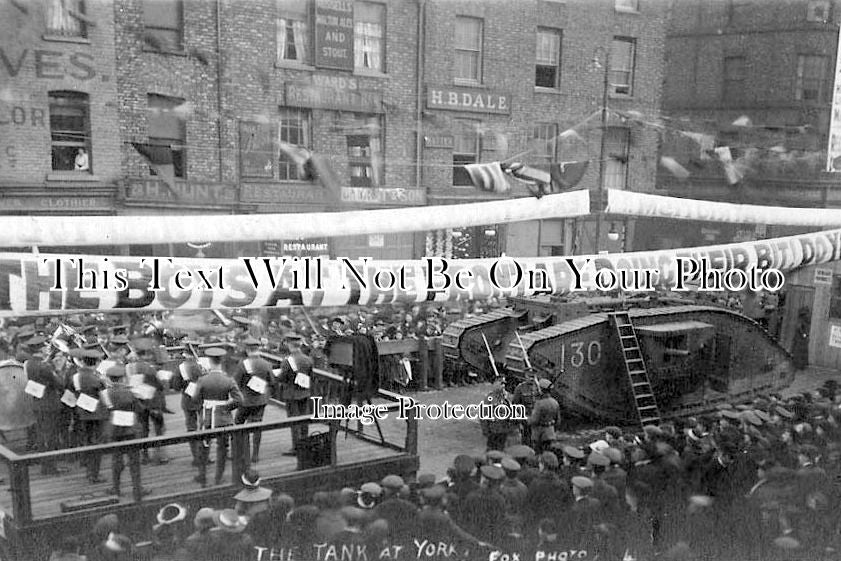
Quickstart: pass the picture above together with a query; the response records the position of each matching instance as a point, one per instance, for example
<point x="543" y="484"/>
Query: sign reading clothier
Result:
<point x="468" y="99"/>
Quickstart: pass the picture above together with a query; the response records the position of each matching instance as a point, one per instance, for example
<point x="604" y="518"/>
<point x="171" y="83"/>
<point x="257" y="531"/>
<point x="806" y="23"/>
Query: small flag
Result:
<point x="566" y="175"/>
<point x="673" y="166"/>
<point x="488" y="177"/>
<point x="730" y="170"/>
<point x="312" y="167"/>
<point x="159" y="158"/>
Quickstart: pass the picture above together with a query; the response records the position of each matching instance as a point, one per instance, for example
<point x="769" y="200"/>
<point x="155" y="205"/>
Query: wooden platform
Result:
<point x="176" y="476"/>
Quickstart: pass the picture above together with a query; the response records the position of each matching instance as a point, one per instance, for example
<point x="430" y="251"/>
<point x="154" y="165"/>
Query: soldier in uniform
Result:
<point x="525" y="394"/>
<point x="189" y="372"/>
<point x="150" y="392"/>
<point x="294" y="381"/>
<point x="45" y="387"/>
<point x="497" y="431"/>
<point x="218" y="395"/>
<point x="124" y="425"/>
<point x="91" y="414"/>
<point x="254" y="377"/>
<point x="544" y="418"/>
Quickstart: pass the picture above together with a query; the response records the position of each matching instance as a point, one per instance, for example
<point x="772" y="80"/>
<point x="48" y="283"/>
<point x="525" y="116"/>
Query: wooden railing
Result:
<point x="19" y="465"/>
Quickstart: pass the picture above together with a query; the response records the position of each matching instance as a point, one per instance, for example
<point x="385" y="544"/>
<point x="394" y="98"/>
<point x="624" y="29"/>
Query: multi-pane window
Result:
<point x="168" y="129"/>
<point x="365" y="151"/>
<point x="548" y="58"/>
<point x="734" y="78"/>
<point x="293" y="35"/>
<point x="369" y="36"/>
<point x="62" y="18"/>
<point x="294" y="128"/>
<point x="70" y="131"/>
<point x="812" y="79"/>
<point x="622" y="66"/>
<point x="163" y="22"/>
<point x="616" y="145"/>
<point x="468" y="41"/>
<point x="545" y="141"/>
<point x="627" y="5"/>
<point x="465" y="150"/>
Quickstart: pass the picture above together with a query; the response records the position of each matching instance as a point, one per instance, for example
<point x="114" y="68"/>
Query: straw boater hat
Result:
<point x="252" y="492"/>
<point x="229" y="521"/>
<point x="171" y="513"/>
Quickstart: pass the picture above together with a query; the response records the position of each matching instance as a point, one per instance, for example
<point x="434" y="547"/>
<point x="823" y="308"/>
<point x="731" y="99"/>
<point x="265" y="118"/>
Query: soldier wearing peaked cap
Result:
<point x="143" y="377"/>
<point x="295" y="385"/>
<point x="435" y="522"/>
<point x="91" y="414"/>
<point x="483" y="512"/>
<point x="544" y="418"/>
<point x="253" y="375"/>
<point x="45" y="388"/>
<point x="123" y="425"/>
<point x="218" y="395"/>
<point x="184" y="381"/>
<point x="526" y="394"/>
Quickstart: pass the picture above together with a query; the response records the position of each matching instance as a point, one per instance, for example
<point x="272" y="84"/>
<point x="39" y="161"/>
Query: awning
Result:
<point x="672" y="328"/>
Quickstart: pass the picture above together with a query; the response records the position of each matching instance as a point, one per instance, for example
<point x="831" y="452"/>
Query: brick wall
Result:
<point x="32" y="65"/>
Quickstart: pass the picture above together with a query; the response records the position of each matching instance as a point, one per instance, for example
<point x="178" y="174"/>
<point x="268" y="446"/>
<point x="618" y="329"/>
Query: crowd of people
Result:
<point x="752" y="481"/>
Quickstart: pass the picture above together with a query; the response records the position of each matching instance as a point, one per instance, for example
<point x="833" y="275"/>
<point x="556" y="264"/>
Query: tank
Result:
<point x="692" y="357"/>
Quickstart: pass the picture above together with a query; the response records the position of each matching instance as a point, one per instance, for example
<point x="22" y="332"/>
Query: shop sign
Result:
<point x="381" y="195"/>
<point x="334" y="34"/>
<point x="438" y="141"/>
<point x="320" y="97"/>
<point x="196" y="192"/>
<point x="313" y="247"/>
<point x="281" y="193"/>
<point x="467" y="99"/>
<point x="48" y="203"/>
<point x="823" y="276"/>
<point x="835" y="336"/>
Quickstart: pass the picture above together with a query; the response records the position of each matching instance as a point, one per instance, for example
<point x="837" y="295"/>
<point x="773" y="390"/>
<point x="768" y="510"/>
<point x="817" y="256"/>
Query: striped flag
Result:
<point x="488" y="177"/>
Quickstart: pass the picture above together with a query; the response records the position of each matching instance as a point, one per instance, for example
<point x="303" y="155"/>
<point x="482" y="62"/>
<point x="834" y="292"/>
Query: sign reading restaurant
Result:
<point x="468" y="99"/>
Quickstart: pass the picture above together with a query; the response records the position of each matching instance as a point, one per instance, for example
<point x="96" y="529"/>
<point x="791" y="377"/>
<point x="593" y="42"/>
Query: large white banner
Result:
<point x="62" y="284"/>
<point x="67" y="231"/>
<point x="658" y="206"/>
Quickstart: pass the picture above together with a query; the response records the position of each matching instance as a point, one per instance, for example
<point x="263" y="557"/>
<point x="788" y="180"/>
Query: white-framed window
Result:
<point x="163" y="23"/>
<point x="62" y="20"/>
<point x="293" y="31"/>
<point x="364" y="137"/>
<point x="465" y="150"/>
<point x="293" y="127"/>
<point x="812" y="78"/>
<point x="70" y="144"/>
<point x="734" y="78"/>
<point x="545" y="142"/>
<point x="627" y="5"/>
<point x="622" y="54"/>
<point x="548" y="58"/>
<point x="369" y="36"/>
<point x="168" y="129"/>
<point x="468" y="41"/>
<point x="616" y="150"/>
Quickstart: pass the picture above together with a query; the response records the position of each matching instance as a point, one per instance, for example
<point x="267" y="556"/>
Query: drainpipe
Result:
<point x="421" y="31"/>
<point x="219" y="83"/>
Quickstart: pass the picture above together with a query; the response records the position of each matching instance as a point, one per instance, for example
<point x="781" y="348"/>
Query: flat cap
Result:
<point x="371" y="488"/>
<point x="434" y="493"/>
<point x="520" y="451"/>
<point x="426" y="480"/>
<point x="598" y="459"/>
<point x="599" y="445"/>
<point x="582" y="482"/>
<point x="250" y="341"/>
<point x="119" y="340"/>
<point x="615" y="432"/>
<point x="495" y="455"/>
<point x="549" y="460"/>
<point x="242" y="320"/>
<point x="783" y="412"/>
<point x="36" y="340"/>
<point x="509" y="464"/>
<point x="652" y="430"/>
<point x="494" y="473"/>
<point x="85" y="353"/>
<point x="613" y="454"/>
<point x="215" y="351"/>
<point x="392" y="482"/>
<point x="544" y="383"/>
<point x="730" y="414"/>
<point x="573" y="452"/>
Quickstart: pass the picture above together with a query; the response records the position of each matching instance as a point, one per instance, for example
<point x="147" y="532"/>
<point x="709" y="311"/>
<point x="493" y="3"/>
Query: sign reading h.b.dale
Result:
<point x="466" y="99"/>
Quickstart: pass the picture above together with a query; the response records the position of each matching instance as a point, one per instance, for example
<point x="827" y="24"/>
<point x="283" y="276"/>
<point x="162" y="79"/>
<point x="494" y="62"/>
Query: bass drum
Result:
<point x="15" y="406"/>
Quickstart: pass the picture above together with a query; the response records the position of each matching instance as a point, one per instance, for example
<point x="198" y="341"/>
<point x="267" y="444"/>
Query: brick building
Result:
<point x="755" y="78"/>
<point x="396" y="95"/>
<point x="58" y="110"/>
